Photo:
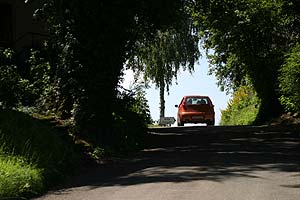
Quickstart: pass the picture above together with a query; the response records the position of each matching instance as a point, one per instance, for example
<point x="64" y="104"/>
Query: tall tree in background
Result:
<point x="248" y="38"/>
<point x="160" y="60"/>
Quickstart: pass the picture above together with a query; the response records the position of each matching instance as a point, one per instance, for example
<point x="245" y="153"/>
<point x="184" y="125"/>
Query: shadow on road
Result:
<point x="202" y="153"/>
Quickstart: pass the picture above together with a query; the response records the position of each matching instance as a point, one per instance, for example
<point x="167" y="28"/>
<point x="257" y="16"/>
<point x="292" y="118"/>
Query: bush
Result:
<point x="289" y="78"/>
<point x="131" y="117"/>
<point x="19" y="87"/>
<point x="11" y="84"/>
<point x="242" y="108"/>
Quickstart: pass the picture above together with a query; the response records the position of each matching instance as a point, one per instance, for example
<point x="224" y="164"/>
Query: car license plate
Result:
<point x="197" y="117"/>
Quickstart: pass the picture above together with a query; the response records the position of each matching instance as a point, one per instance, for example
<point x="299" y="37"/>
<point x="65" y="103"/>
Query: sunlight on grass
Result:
<point x="18" y="177"/>
<point x="33" y="155"/>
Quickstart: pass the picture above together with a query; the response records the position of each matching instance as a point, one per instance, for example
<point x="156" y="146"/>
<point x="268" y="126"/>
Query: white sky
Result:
<point x="198" y="83"/>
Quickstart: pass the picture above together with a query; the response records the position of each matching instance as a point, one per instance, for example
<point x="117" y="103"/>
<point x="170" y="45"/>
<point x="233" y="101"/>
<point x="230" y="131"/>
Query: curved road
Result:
<point x="190" y="163"/>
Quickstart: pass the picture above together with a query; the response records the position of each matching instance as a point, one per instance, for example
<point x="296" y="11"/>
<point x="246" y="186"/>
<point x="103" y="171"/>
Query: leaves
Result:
<point x="247" y="38"/>
<point x="160" y="60"/>
<point x="290" y="80"/>
<point x="242" y="108"/>
<point x="12" y="86"/>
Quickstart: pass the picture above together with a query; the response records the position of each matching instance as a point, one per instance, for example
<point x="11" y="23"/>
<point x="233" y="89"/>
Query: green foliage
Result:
<point x="12" y="86"/>
<point x="98" y="153"/>
<point x="243" y="35"/>
<point x="128" y="127"/>
<point x="138" y="102"/>
<point x="77" y="73"/>
<point x="131" y="117"/>
<point x="39" y="74"/>
<point x="89" y="54"/>
<point x="160" y="59"/>
<point x="37" y="142"/>
<point x="242" y="108"/>
<point x="290" y="81"/>
<point x="51" y="83"/>
<point x="248" y="38"/>
<point x="18" y="178"/>
<point x="19" y="88"/>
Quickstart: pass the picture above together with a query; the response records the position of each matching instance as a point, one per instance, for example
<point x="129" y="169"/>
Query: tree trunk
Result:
<point x="264" y="78"/>
<point x="162" y="99"/>
<point x="270" y="108"/>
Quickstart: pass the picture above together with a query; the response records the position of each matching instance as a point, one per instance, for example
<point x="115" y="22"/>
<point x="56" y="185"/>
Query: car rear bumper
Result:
<point x="196" y="117"/>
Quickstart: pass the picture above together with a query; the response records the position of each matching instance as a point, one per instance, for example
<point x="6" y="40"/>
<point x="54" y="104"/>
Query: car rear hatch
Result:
<point x="198" y="108"/>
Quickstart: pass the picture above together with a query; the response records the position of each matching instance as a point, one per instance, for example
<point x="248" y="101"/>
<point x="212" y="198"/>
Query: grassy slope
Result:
<point x="33" y="155"/>
<point x="243" y="108"/>
<point x="243" y="116"/>
<point x="19" y="178"/>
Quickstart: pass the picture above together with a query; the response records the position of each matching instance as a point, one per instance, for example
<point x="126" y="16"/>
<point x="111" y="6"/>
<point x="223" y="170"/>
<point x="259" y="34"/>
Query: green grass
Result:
<point x="34" y="154"/>
<point x="19" y="178"/>
<point x="154" y="126"/>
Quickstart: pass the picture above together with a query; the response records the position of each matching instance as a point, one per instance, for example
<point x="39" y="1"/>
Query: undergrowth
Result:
<point x="33" y="155"/>
<point x="242" y="109"/>
<point x="19" y="178"/>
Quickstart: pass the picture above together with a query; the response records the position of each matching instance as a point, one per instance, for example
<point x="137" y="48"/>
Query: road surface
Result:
<point x="191" y="163"/>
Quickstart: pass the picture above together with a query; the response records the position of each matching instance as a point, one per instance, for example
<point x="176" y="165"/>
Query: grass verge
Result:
<point x="33" y="155"/>
<point x="19" y="178"/>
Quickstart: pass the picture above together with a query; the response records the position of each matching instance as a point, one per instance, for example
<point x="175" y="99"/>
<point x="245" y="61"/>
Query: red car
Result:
<point x="195" y="109"/>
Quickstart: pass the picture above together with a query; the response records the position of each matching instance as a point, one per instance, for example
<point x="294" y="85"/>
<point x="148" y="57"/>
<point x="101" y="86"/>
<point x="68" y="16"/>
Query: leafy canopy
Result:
<point x="248" y="38"/>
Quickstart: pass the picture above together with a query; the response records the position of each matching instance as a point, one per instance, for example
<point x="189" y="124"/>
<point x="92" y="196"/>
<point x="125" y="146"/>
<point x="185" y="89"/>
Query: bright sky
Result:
<point x="197" y="83"/>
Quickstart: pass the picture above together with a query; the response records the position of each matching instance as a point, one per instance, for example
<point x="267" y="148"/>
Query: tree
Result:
<point x="160" y="60"/>
<point x="248" y="38"/>
<point x="90" y="41"/>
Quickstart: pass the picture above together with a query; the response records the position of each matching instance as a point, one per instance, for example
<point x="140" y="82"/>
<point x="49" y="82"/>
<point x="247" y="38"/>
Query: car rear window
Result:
<point x="196" y="100"/>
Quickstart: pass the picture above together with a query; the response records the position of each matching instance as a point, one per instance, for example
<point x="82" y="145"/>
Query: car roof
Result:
<point x="198" y="96"/>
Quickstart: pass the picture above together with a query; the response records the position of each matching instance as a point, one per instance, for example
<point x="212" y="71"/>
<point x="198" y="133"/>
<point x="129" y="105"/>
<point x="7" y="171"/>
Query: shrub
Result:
<point x="11" y="84"/>
<point x="127" y="128"/>
<point x="131" y="117"/>
<point x="19" y="87"/>
<point x="289" y="78"/>
<point x="242" y="108"/>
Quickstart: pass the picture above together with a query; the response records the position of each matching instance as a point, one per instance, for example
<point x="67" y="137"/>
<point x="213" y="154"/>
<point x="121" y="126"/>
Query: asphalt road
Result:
<point x="198" y="163"/>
